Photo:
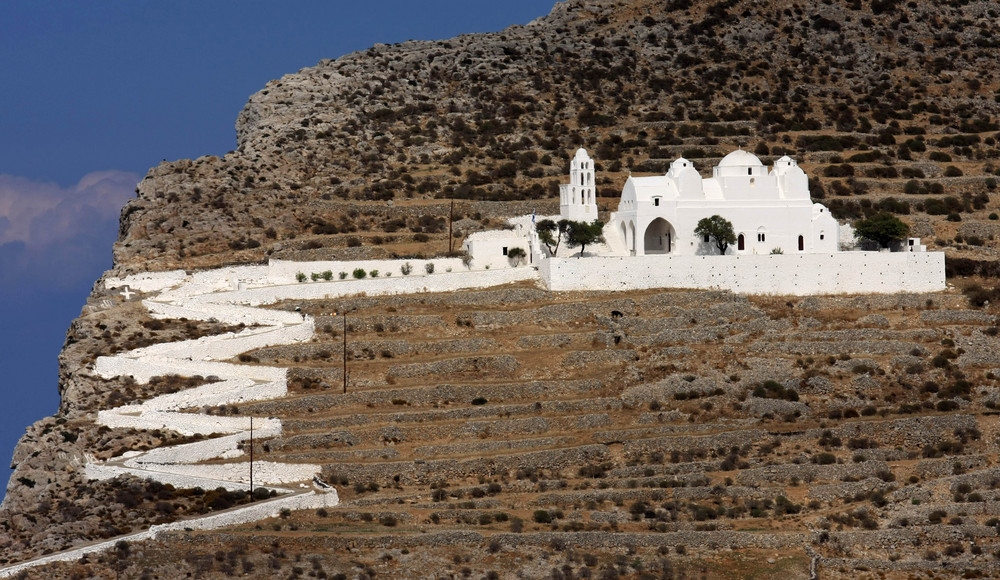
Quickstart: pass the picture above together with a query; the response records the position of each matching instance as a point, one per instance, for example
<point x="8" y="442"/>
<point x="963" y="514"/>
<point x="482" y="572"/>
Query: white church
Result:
<point x="769" y="210"/>
<point x="785" y="243"/>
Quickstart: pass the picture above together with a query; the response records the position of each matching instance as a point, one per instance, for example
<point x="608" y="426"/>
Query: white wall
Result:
<point x="283" y="271"/>
<point x="251" y="513"/>
<point x="458" y="279"/>
<point x="489" y="251"/>
<point x="797" y="274"/>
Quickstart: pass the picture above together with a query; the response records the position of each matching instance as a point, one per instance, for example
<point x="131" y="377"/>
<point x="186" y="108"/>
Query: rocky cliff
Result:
<point x="674" y="427"/>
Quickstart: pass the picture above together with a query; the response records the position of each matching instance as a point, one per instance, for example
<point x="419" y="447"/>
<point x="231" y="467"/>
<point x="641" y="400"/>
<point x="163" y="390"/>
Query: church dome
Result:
<point x="740" y="158"/>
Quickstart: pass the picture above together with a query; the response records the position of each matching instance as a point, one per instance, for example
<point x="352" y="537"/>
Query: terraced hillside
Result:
<point x="672" y="433"/>
<point x="520" y="433"/>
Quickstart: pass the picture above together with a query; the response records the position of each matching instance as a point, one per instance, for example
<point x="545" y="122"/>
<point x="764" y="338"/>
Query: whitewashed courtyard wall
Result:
<point x="783" y="274"/>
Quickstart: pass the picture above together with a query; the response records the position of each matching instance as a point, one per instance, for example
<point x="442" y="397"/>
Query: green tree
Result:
<point x="583" y="234"/>
<point x="516" y="255"/>
<point x="882" y="227"/>
<point x="551" y="233"/>
<point x="718" y="229"/>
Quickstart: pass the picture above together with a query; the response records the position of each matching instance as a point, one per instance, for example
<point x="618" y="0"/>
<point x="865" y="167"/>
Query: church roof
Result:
<point x="740" y="158"/>
<point x="646" y="188"/>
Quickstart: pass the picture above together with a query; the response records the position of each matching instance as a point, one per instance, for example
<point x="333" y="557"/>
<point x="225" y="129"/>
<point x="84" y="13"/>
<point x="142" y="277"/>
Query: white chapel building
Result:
<point x="769" y="210"/>
<point x="786" y="244"/>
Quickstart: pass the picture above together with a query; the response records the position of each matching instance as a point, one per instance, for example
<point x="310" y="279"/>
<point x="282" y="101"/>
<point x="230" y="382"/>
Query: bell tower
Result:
<point x="577" y="199"/>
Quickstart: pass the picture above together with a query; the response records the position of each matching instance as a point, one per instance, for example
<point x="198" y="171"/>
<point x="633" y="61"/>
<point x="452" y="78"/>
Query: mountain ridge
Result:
<point x="888" y="106"/>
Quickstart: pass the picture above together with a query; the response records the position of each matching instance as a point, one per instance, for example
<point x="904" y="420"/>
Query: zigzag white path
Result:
<point x="233" y="296"/>
<point x="228" y="295"/>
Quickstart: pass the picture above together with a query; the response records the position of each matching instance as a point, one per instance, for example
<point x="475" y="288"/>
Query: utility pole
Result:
<point x="451" y="220"/>
<point x="251" y="457"/>
<point x="345" y="351"/>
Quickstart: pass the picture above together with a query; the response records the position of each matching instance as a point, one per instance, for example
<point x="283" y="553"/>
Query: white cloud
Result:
<point x="59" y="236"/>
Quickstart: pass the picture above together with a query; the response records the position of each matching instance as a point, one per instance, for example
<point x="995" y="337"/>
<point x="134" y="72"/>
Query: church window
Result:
<point x="821" y="236"/>
<point x="505" y="250"/>
<point x="706" y="239"/>
<point x="740" y="243"/>
<point x="760" y="237"/>
<point x="749" y="170"/>
<point x="656" y="201"/>
<point x="753" y="181"/>
<point x="802" y="243"/>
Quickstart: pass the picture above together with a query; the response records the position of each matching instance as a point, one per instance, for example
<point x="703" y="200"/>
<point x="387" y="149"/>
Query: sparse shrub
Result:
<point x="300" y="276"/>
<point x="359" y="273"/>
<point x="429" y="267"/>
<point x="946" y="406"/>
<point x="775" y="390"/>
<point x="406" y="268"/>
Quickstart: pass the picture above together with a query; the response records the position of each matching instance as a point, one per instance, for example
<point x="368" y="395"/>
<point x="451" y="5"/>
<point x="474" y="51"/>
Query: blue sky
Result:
<point x="95" y="93"/>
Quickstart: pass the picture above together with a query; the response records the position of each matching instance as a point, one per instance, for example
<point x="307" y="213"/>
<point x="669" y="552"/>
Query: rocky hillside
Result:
<point x="699" y="434"/>
<point x="889" y="105"/>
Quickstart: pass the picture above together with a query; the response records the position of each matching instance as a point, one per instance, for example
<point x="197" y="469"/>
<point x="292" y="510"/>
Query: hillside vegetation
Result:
<point x="658" y="434"/>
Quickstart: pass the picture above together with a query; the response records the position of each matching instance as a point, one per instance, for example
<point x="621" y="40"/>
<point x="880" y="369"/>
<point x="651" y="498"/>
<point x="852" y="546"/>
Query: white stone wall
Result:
<point x="458" y="279"/>
<point x="148" y="281"/>
<point x="184" y="423"/>
<point x="264" y="472"/>
<point x="228" y="345"/>
<point x="797" y="274"/>
<point x="142" y="370"/>
<point x="488" y="250"/>
<point x="240" y="516"/>
<point x="283" y="271"/>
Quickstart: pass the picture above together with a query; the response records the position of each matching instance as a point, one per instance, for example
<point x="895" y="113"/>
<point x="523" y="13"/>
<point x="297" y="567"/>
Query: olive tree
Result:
<point x="551" y="233"/>
<point x="516" y="256"/>
<point x="882" y="227"/>
<point x="584" y="234"/>
<point x="718" y="229"/>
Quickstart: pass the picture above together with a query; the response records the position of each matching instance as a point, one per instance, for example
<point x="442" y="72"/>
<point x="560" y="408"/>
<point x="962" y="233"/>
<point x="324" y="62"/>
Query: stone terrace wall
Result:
<point x="784" y="274"/>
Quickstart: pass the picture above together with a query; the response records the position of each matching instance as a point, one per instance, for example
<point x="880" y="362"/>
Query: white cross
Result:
<point x="127" y="293"/>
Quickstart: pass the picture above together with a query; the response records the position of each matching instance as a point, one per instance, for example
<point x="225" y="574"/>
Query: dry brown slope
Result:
<point x="508" y="430"/>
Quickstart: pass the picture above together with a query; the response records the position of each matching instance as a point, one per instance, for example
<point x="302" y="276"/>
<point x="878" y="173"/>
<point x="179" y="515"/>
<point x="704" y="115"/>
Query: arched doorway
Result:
<point x="630" y="238"/>
<point x="741" y="243"/>
<point x="625" y="236"/>
<point x="658" y="238"/>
